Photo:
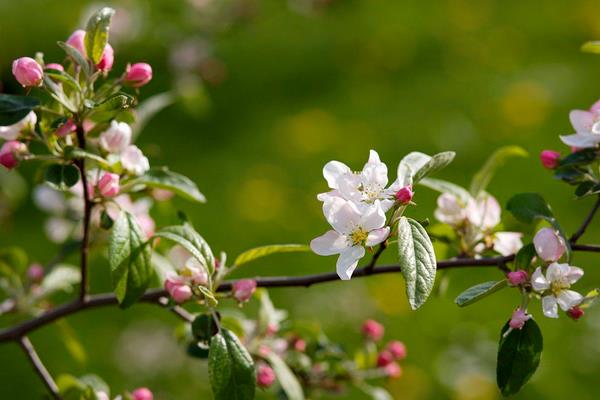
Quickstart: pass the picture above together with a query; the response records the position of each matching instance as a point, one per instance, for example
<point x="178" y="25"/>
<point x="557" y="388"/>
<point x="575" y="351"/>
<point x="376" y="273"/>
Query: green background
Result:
<point x="294" y="86"/>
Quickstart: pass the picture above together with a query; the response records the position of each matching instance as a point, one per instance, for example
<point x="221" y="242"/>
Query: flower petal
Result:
<point x="328" y="244"/>
<point x="568" y="298"/>
<point x="538" y="280"/>
<point x="582" y="121"/>
<point x="348" y="260"/>
<point x="557" y="272"/>
<point x="343" y="216"/>
<point x="574" y="274"/>
<point x="333" y="170"/>
<point x="507" y="243"/>
<point x="581" y="140"/>
<point x="550" y="307"/>
<point x="377" y="236"/>
<point x="373" y="217"/>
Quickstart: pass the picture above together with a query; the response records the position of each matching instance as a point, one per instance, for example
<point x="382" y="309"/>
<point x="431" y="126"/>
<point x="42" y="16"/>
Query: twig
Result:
<point x="586" y="222"/>
<point x="87" y="211"/>
<point x="39" y="367"/>
<point x="371" y="265"/>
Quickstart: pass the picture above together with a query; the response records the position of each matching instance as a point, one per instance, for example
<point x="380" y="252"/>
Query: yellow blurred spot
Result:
<point x="388" y="294"/>
<point x="308" y="132"/>
<point x="525" y="104"/>
<point x="413" y="384"/>
<point x="474" y="386"/>
<point x="260" y="199"/>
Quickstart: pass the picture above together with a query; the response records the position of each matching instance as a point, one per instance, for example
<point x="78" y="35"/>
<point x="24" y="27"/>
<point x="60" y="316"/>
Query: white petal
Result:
<point x="387" y="204"/>
<point x="345" y="218"/>
<point x="348" y="260"/>
<point x="374" y="157"/>
<point x="328" y="195"/>
<point x="538" y="280"/>
<point x="333" y="170"/>
<point x="375" y="171"/>
<point x="581" y="140"/>
<point x="550" y="307"/>
<point x="507" y="243"/>
<point x="557" y="272"/>
<point x="377" y="236"/>
<point x="328" y="244"/>
<point x="582" y="121"/>
<point x="574" y="274"/>
<point x="373" y="217"/>
<point x="568" y="298"/>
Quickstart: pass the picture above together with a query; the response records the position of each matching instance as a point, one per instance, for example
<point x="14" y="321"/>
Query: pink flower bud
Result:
<point x="272" y="329"/>
<point x="300" y="345"/>
<point x="107" y="60"/>
<point x="244" y="289"/>
<point x="384" y="358"/>
<point x="66" y="128"/>
<point x="35" y="272"/>
<point x="162" y="194"/>
<point x="404" y="195"/>
<point x="516" y="278"/>
<point x="172" y="281"/>
<point x="116" y="138"/>
<point x="181" y="293"/>
<point x="142" y="394"/>
<point x="393" y="370"/>
<point x="108" y="185"/>
<point x="373" y="330"/>
<point x="549" y="245"/>
<point x="397" y="349"/>
<point x="549" y="158"/>
<point x="77" y="40"/>
<point x="55" y="66"/>
<point x="264" y="350"/>
<point x="11" y="152"/>
<point x="138" y="74"/>
<point x="518" y="319"/>
<point x="575" y="313"/>
<point x="265" y="376"/>
<point x="27" y="71"/>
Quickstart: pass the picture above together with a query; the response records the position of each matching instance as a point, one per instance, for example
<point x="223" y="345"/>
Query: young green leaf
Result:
<point x="111" y="107"/>
<point x="417" y="261"/>
<point x="61" y="175"/>
<point x="436" y="163"/>
<point x="57" y="93"/>
<point x="230" y="368"/>
<point x="409" y="165"/>
<point x="285" y="377"/>
<point x="478" y="292"/>
<point x="129" y="257"/>
<point x="185" y="236"/>
<point x="257" y="252"/>
<point x="446" y="187"/>
<point x="163" y="178"/>
<point x="524" y="257"/>
<point x="14" y="108"/>
<point x="591" y="47"/>
<point x="519" y="355"/>
<point x="204" y="327"/>
<point x="77" y="57"/>
<point x="96" y="33"/>
<point x="483" y="177"/>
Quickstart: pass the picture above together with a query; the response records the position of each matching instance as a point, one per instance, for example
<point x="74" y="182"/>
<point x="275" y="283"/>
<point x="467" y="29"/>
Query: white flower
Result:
<point x="353" y="230"/>
<point x="507" y="243"/>
<point x="134" y="161"/>
<point x="451" y="210"/>
<point x="12" y="132"/>
<point x="556" y="284"/>
<point x="583" y="140"/>
<point x="364" y="187"/>
<point x="586" y="127"/>
<point x="484" y="212"/>
<point x="117" y="138"/>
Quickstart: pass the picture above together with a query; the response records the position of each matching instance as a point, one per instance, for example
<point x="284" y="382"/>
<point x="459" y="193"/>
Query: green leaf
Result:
<point x="374" y="392"/>
<point x="483" y="177"/>
<point x="61" y="175"/>
<point x="84" y="388"/>
<point x="96" y="33"/>
<point x="578" y="158"/>
<point x="409" y="165"/>
<point x="129" y="258"/>
<point x="446" y="187"/>
<point x="436" y="163"/>
<point x="72" y="152"/>
<point x="57" y="93"/>
<point x="77" y="57"/>
<point x="163" y="178"/>
<point x="478" y="292"/>
<point x="14" y="108"/>
<point x="524" y="257"/>
<point x="204" y="327"/>
<point x="591" y="47"/>
<point x="230" y="368"/>
<point x="185" y="236"/>
<point x="527" y="207"/>
<point x="112" y="107"/>
<point x="519" y="355"/>
<point x="262" y="251"/>
<point x="417" y="261"/>
<point x="286" y="378"/>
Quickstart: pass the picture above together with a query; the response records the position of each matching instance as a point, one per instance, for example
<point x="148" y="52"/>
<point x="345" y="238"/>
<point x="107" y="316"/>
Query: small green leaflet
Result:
<point x="483" y="177"/>
<point x="524" y="257"/>
<point x="478" y="292"/>
<point x="77" y="57"/>
<point x="62" y="175"/>
<point x="185" y="236"/>
<point x="519" y="355"/>
<point x="96" y="33"/>
<point x="230" y="368"/>
<point x="415" y="166"/>
<point x="111" y="107"/>
<point x="437" y="162"/>
<point x="257" y="252"/>
<point x="129" y="257"/>
<point x="14" y="108"/>
<point x="285" y="377"/>
<point x="591" y="47"/>
<point x="163" y="178"/>
<point x="442" y="186"/>
<point x="417" y="261"/>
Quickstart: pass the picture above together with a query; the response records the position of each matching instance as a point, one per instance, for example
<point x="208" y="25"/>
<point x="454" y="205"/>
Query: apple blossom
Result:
<point x="393" y="370"/>
<point x="55" y="66"/>
<point x="101" y="395"/>
<point x="483" y="212"/>
<point x="549" y="245"/>
<point x="450" y="210"/>
<point x="66" y="128"/>
<point x="353" y="229"/>
<point x="178" y="289"/>
<point x="134" y="161"/>
<point x="27" y="71"/>
<point x="372" y="330"/>
<point x="507" y="243"/>
<point x="518" y="319"/>
<point x="108" y="57"/>
<point x="244" y="289"/>
<point x="142" y="394"/>
<point x="35" y="272"/>
<point x="516" y="278"/>
<point x="13" y="131"/>
<point x="108" y="185"/>
<point x="586" y="127"/>
<point x="549" y="159"/>
<point x="554" y="287"/>
<point x="194" y="271"/>
<point x="384" y="358"/>
<point x="397" y="349"/>
<point x="138" y="74"/>
<point x="265" y="376"/>
<point x="117" y="138"/>
<point x="11" y="152"/>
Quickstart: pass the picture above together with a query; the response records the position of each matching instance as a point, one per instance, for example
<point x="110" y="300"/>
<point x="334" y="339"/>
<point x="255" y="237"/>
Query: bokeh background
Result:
<point x="271" y="90"/>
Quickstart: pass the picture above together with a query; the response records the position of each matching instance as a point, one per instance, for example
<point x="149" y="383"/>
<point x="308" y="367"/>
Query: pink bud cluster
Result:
<point x="11" y="153"/>
<point x="244" y="289"/>
<point x="179" y="284"/>
<point x="394" y="351"/>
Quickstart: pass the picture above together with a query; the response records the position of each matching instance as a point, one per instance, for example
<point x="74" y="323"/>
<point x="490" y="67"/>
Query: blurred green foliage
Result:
<point x="291" y="85"/>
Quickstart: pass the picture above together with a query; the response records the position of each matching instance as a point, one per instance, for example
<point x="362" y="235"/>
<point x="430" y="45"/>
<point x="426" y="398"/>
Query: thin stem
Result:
<point x="87" y="212"/>
<point x="39" y="367"/>
<point x="586" y="222"/>
<point x="376" y="255"/>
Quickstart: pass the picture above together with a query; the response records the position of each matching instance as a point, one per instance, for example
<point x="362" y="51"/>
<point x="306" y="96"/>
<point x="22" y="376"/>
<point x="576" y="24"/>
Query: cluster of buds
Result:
<point x="390" y="354"/>
<point x="179" y="284"/>
<point x="138" y="394"/>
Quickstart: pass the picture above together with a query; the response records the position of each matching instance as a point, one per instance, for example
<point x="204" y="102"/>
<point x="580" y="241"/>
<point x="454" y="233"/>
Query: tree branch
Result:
<point x="586" y="222"/>
<point x="39" y="367"/>
<point x="87" y="211"/>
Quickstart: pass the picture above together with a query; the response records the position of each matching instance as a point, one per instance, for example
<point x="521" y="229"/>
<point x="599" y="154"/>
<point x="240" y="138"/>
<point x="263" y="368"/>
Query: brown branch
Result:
<point x="586" y="222"/>
<point x="87" y="212"/>
<point x="39" y="367"/>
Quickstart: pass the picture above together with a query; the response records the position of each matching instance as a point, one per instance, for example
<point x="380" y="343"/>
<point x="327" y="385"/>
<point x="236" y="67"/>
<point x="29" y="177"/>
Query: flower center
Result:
<point x="559" y="285"/>
<point x="358" y="236"/>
